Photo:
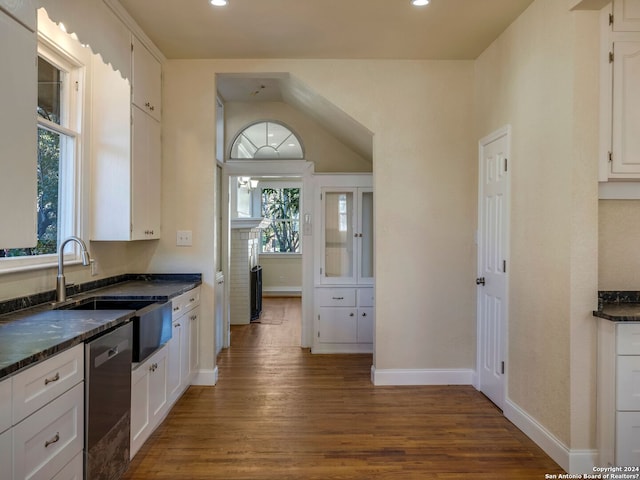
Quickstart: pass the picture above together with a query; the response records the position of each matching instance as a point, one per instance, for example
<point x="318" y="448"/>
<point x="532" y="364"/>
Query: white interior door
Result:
<point x="493" y="239"/>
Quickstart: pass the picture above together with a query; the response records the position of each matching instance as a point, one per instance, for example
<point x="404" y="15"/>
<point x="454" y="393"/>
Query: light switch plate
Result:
<point x="184" y="238"/>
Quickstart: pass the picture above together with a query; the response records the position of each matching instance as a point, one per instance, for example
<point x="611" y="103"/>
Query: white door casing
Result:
<point x="493" y="252"/>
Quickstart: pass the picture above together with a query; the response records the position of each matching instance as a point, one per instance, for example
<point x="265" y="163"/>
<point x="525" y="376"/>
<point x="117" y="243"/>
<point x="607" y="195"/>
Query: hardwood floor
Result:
<point x="279" y="412"/>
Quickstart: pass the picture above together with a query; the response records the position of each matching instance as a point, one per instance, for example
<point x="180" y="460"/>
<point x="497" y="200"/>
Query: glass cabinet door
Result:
<point x="339" y="259"/>
<point x="365" y="236"/>
<point x="347" y="236"/>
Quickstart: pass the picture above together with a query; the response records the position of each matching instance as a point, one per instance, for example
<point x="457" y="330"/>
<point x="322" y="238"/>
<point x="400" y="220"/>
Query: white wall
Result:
<point x="540" y="76"/>
<point x="425" y="182"/>
<point x="619" y="237"/>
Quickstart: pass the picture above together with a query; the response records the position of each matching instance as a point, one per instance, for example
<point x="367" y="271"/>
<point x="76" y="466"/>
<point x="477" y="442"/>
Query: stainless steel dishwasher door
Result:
<point x="108" y="404"/>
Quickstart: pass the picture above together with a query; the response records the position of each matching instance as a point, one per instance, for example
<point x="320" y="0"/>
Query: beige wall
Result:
<point x="281" y="273"/>
<point x="113" y="258"/>
<point x="327" y="153"/>
<point x="619" y="235"/>
<point x="540" y="77"/>
<point x="425" y="216"/>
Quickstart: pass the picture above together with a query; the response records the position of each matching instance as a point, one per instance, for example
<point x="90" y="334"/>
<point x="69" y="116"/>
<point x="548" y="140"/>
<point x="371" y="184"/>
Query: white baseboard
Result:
<point x="281" y="291"/>
<point x="393" y="376"/>
<point x="573" y="461"/>
<point x="206" y="377"/>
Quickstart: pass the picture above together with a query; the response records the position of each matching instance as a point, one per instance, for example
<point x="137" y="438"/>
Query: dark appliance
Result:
<point x="256" y="292"/>
<point x="108" y="404"/>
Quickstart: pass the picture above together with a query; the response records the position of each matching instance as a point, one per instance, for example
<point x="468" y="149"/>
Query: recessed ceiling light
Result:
<point x="420" y="3"/>
<point x="218" y="3"/>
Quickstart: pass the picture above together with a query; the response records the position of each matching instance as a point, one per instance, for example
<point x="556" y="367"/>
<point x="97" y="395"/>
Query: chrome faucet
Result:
<point x="61" y="287"/>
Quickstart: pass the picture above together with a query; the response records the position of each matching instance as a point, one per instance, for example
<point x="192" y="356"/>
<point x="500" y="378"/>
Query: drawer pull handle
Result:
<point x="192" y="299"/>
<point x="177" y="325"/>
<point x="55" y="378"/>
<point x="175" y="309"/>
<point x="337" y="298"/>
<point x="193" y="317"/>
<point x="52" y="441"/>
<point x="351" y="314"/>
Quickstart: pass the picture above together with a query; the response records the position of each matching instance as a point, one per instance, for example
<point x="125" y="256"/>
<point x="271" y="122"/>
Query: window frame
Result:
<point x="257" y="207"/>
<point x="72" y="118"/>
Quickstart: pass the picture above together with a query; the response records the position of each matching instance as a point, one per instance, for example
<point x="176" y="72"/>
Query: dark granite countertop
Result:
<point x="618" y="306"/>
<point x="29" y="335"/>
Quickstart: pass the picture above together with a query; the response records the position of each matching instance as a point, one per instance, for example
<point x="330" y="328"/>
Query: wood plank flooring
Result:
<point x="279" y="412"/>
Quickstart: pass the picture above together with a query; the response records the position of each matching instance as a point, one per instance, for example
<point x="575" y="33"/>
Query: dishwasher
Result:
<point x="108" y="404"/>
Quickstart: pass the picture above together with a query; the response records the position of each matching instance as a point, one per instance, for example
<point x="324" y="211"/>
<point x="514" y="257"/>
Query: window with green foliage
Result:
<point x="56" y="146"/>
<point x="282" y="207"/>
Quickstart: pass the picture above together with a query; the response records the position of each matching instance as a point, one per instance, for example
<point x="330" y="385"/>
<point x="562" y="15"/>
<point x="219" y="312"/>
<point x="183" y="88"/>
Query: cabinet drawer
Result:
<point x="72" y="471"/>
<point x="628" y="339"/>
<point x="6" y="455"/>
<point x="185" y="302"/>
<point x="50" y="438"/>
<point x="5" y="402"/>
<point x="38" y="385"/>
<point x="627" y="438"/>
<point x="338" y="325"/>
<point x="336" y="297"/>
<point x="365" y="297"/>
<point x="628" y="382"/>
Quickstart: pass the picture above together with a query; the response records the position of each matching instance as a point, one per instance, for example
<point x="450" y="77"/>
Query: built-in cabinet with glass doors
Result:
<point x="344" y="264"/>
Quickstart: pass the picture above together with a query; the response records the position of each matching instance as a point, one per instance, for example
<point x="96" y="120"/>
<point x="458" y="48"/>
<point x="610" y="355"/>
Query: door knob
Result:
<point x="480" y="281"/>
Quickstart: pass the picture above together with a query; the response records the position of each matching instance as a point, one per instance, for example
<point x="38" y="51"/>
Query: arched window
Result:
<point x="266" y="140"/>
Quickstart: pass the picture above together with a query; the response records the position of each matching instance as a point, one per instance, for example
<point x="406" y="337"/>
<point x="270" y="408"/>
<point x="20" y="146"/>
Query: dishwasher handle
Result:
<point x="110" y="353"/>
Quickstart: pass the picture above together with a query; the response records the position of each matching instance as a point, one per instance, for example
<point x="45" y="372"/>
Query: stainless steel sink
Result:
<point x="108" y="304"/>
<point x="151" y="321"/>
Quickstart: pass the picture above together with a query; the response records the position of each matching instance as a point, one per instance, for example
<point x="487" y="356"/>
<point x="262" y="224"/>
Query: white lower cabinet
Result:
<point x="345" y="320"/>
<point x="178" y="366"/>
<point x="43" y="419"/>
<point x="74" y="470"/>
<point x="149" y="397"/>
<point x="6" y="455"/>
<point x="628" y="438"/>
<point x="50" y="438"/>
<point x="184" y="351"/>
<point x="158" y="382"/>
<point x="618" y="416"/>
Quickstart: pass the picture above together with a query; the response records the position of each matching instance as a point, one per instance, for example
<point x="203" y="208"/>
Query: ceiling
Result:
<point x="319" y="29"/>
<point x="337" y="29"/>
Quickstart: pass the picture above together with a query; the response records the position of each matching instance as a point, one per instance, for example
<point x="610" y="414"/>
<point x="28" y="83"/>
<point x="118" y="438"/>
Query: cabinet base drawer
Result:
<point x="50" y="438"/>
<point x="627" y="439"/>
<point x="336" y="297"/>
<point x="38" y="385"/>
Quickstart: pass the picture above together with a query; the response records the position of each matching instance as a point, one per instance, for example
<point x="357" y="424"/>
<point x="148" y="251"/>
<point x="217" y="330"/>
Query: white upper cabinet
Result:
<point x="625" y="157"/>
<point x="620" y="95"/>
<point x="126" y="151"/>
<point x="626" y="15"/>
<point x="147" y="83"/>
<point x="24" y="11"/>
<point x="18" y="133"/>
<point x="347" y="236"/>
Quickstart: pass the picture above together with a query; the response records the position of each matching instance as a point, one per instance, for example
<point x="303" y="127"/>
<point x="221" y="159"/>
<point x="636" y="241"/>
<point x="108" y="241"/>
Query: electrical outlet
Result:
<point x="94" y="267"/>
<point x="184" y="238"/>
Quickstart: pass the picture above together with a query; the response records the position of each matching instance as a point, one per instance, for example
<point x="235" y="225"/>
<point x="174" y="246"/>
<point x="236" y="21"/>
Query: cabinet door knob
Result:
<point x="364" y="314"/>
<point x="351" y="314"/>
